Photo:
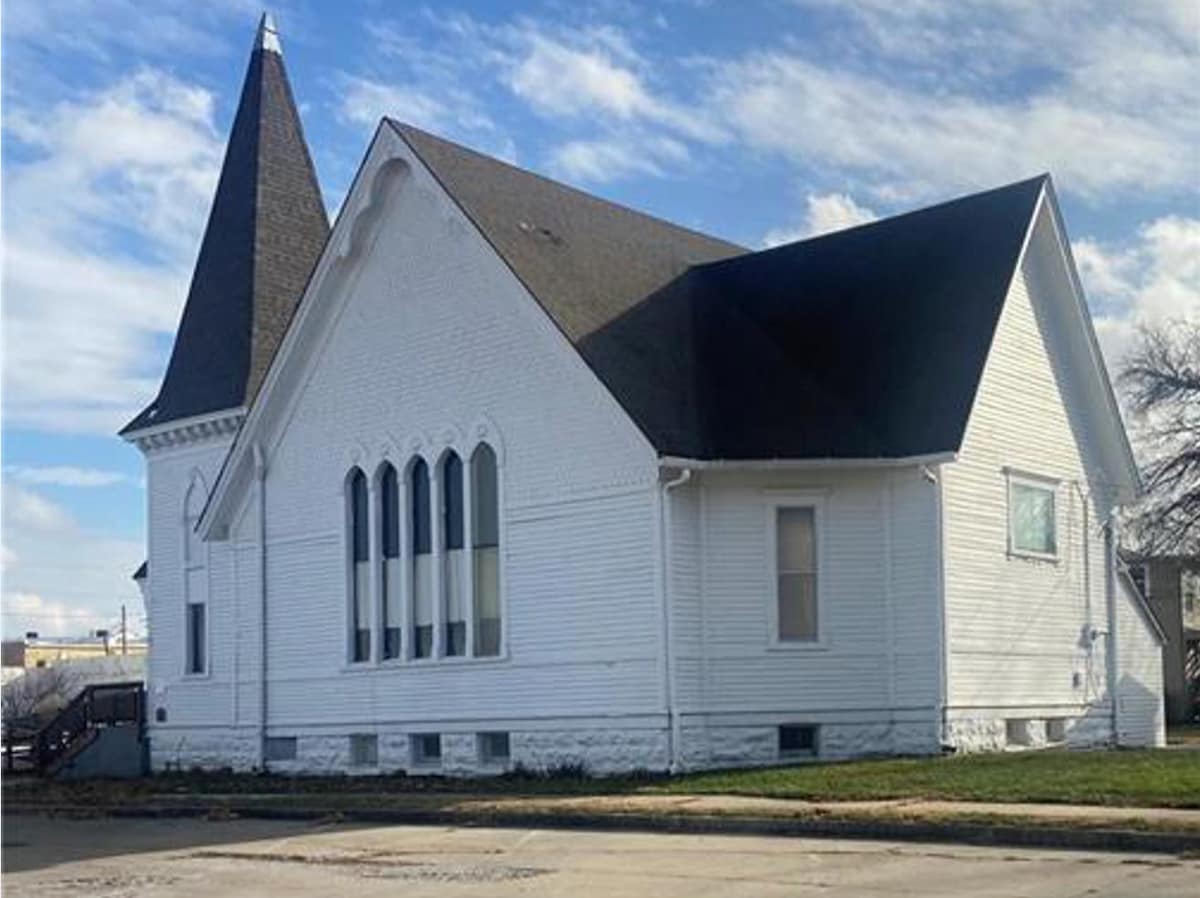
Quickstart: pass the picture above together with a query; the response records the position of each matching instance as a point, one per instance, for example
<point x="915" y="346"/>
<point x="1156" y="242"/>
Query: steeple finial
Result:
<point x="267" y="37"/>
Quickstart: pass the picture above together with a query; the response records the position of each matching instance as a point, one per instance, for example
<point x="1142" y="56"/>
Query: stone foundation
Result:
<point x="1014" y="730"/>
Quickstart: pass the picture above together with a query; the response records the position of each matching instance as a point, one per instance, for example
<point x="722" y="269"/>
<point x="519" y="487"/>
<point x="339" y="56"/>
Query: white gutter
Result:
<point x="674" y="731"/>
<point x="787" y="464"/>
<point x="260" y="477"/>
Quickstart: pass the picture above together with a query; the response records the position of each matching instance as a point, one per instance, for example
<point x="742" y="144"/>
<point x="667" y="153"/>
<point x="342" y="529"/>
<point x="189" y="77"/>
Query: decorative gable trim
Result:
<point x="187" y="431"/>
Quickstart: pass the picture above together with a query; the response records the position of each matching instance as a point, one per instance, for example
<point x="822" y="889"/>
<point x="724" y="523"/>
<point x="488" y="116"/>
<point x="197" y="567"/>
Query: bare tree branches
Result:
<point x="36" y="692"/>
<point x="1162" y="384"/>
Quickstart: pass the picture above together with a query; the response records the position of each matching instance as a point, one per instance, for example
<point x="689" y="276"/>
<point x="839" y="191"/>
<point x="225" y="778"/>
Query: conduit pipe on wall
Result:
<point x="674" y="733"/>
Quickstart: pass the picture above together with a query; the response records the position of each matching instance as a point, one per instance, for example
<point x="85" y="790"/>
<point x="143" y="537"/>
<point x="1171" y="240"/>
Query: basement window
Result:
<point x="494" y="748"/>
<point x="1016" y="732"/>
<point x="797" y="740"/>
<point x="1056" y="730"/>
<point x="280" y="748"/>
<point x="364" y="750"/>
<point x="427" y="749"/>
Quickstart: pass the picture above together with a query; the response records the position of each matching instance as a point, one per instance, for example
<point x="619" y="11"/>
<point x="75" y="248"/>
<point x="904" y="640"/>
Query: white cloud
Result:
<point x="825" y="213"/>
<point x="907" y="142"/>
<point x="1153" y="280"/>
<point x="100" y="232"/>
<point x="601" y="161"/>
<point x="60" y="578"/>
<point x="25" y="511"/>
<point x="64" y="475"/>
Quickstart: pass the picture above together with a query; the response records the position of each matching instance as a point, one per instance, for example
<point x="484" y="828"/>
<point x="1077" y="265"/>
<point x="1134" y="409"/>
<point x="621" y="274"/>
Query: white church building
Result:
<point x="497" y="473"/>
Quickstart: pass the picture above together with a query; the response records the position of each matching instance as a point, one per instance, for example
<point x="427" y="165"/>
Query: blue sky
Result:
<point x="760" y="122"/>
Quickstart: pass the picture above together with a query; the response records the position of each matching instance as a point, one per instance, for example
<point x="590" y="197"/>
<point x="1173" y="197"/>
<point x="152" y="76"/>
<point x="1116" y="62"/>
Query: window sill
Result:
<point x="1043" y="557"/>
<point x="195" y="677"/>
<point x="782" y="645"/>
<point x="361" y="667"/>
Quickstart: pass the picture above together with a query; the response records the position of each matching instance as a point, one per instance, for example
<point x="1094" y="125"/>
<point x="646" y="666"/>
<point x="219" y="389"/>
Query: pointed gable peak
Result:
<point x="265" y="230"/>
<point x="267" y="37"/>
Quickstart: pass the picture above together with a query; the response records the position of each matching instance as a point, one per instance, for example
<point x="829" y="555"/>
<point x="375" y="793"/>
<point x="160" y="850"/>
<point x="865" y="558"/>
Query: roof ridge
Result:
<point x="1042" y="178"/>
<point x="403" y="127"/>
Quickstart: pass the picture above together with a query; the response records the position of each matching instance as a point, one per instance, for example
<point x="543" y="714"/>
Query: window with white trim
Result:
<point x="195" y="572"/>
<point x="485" y="550"/>
<point x="454" y="558"/>
<point x="796" y="606"/>
<point x="1032" y="526"/>
<point x="422" y="560"/>
<point x="389" y="575"/>
<point x="360" y="575"/>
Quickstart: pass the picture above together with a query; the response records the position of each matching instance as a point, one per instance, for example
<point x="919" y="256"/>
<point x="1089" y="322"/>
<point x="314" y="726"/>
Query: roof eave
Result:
<point x="790" y="464"/>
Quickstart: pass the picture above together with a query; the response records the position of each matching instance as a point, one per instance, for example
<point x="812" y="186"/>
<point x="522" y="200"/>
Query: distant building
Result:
<point x="51" y="651"/>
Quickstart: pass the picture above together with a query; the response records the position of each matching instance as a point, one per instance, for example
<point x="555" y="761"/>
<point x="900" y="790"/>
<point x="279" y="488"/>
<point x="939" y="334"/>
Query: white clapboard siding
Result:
<point x="880" y="608"/>
<point x="1017" y="629"/>
<point x="433" y="336"/>
<point x="1141" y="711"/>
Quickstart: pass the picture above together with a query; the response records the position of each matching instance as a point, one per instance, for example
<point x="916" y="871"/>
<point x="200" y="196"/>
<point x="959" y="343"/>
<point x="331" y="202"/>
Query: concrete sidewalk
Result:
<point x="979" y="823"/>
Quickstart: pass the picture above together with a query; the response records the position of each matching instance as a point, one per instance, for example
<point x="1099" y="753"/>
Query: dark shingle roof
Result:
<point x="265" y="231"/>
<point x="866" y="343"/>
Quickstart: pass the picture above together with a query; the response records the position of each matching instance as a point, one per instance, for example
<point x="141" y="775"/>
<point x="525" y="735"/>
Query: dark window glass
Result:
<point x="390" y="500"/>
<point x="421" y="531"/>
<point x="195" y="635"/>
<point x="358" y="514"/>
<point x="798" y="739"/>
<point x="485" y="504"/>
<point x="452" y="501"/>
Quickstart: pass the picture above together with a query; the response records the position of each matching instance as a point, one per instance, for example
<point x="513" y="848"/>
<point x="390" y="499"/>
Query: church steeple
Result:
<point x="265" y="230"/>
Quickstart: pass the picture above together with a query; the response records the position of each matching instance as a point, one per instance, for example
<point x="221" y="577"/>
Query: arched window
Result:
<point x="454" y="558"/>
<point x="422" y="560"/>
<point x="195" y="584"/>
<point x="360" y="552"/>
<point x="485" y="550"/>
<point x="389" y="516"/>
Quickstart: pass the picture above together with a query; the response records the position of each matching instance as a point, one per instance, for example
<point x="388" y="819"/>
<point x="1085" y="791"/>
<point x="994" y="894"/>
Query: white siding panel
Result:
<point x="1018" y="628"/>
<point x="1141" y="710"/>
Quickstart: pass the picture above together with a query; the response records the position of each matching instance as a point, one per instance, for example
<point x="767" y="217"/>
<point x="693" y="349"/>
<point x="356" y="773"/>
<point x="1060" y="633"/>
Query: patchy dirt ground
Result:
<point x="109" y="858"/>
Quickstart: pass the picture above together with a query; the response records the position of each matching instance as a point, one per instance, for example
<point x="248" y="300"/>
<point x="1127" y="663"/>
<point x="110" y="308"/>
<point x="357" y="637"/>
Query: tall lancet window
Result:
<point x="389" y="499"/>
<point x="454" y="556"/>
<point x="485" y="550"/>
<point x="360" y="550"/>
<point x="422" y="561"/>
<point x="195" y="584"/>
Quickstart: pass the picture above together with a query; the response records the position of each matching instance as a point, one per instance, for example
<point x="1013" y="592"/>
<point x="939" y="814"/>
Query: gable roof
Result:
<point x="265" y="231"/>
<point x="866" y="343"/>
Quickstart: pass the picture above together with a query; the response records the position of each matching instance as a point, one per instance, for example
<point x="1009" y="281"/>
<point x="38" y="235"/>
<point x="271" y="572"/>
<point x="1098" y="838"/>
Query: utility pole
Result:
<point x="123" y="645"/>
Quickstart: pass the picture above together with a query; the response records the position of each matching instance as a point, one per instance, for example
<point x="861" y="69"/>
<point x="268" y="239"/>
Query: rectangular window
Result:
<point x="797" y="739"/>
<point x="796" y="573"/>
<point x="360" y="635"/>
<point x="1031" y="517"/>
<point x="485" y="550"/>
<point x="427" y="748"/>
<point x="364" y="750"/>
<point x="493" y="748"/>
<point x="422" y="549"/>
<point x="280" y="748"/>
<point x="196" y="649"/>
<point x="390" y="573"/>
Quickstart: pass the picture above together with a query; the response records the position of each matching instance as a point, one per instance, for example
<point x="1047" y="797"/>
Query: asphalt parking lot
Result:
<point x="106" y="858"/>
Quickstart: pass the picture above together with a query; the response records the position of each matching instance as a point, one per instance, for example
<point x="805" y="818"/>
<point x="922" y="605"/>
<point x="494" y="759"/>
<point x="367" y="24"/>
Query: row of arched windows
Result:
<point x="438" y="581"/>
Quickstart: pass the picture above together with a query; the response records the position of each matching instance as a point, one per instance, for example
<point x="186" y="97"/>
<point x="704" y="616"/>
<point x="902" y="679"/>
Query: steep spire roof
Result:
<point x="265" y="230"/>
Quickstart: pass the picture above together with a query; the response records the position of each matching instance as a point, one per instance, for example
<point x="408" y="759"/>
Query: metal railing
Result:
<point x="96" y="706"/>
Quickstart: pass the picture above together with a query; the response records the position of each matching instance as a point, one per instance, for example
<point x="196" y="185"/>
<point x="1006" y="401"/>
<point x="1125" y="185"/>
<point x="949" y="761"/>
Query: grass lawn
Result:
<point x="1137" y="778"/>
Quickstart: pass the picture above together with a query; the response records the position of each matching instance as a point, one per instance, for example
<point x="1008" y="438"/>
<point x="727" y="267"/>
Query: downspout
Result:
<point x="260" y="477"/>
<point x="1110" y="602"/>
<point x="674" y="734"/>
<point x="933" y="475"/>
